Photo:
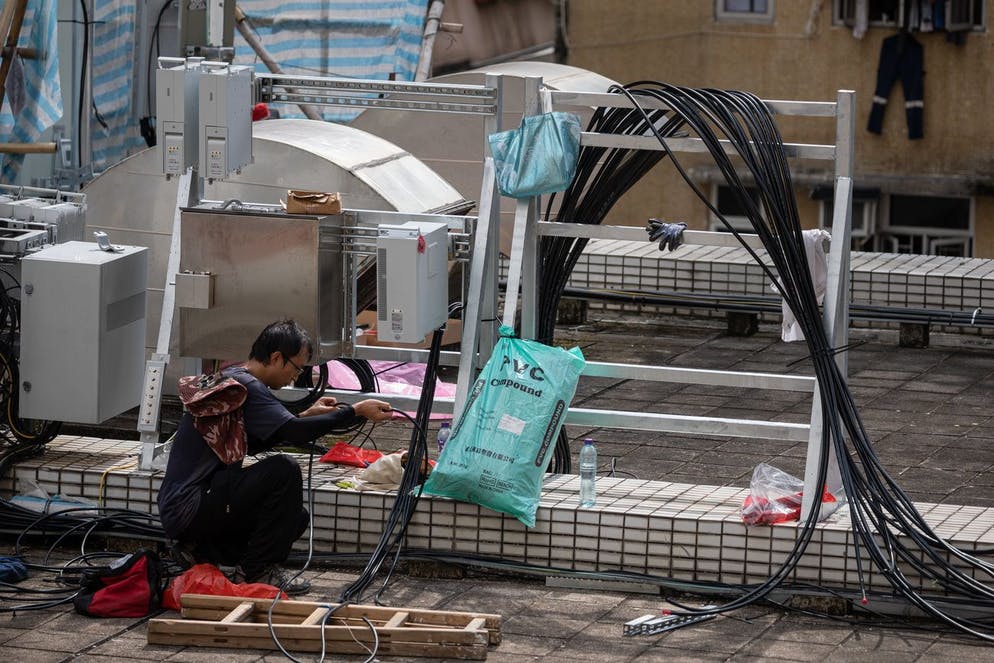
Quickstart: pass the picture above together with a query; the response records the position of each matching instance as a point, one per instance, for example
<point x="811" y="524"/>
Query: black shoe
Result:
<point x="182" y="553"/>
<point x="287" y="581"/>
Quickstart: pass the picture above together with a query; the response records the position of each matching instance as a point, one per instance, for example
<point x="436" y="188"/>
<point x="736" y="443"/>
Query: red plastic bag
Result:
<point x="346" y="454"/>
<point x="208" y="579"/>
<point x="774" y="497"/>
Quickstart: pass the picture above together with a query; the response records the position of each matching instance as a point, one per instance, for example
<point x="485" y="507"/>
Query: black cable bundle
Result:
<point x="889" y="531"/>
<point x="409" y="491"/>
<point x="603" y="175"/>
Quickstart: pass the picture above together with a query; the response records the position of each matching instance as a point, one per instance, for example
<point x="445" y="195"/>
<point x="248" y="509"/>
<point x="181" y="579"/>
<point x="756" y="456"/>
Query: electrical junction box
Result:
<point x="82" y="332"/>
<point x="412" y="283"/>
<point x="225" y="120"/>
<point x="177" y="106"/>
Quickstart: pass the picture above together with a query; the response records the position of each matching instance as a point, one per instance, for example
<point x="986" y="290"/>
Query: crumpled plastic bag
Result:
<point x="208" y="579"/>
<point x="774" y="497"/>
<point x="344" y="453"/>
<point x="32" y="496"/>
<point x="538" y="157"/>
<point x="386" y="473"/>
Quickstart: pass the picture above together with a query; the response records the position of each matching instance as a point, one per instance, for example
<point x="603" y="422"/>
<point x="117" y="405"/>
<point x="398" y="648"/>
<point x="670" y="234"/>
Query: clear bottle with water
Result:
<point x="444" y="431"/>
<point x="588" y="473"/>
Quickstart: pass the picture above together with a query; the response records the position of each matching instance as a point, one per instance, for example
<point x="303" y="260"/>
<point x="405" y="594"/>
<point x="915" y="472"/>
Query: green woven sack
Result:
<point x="502" y="443"/>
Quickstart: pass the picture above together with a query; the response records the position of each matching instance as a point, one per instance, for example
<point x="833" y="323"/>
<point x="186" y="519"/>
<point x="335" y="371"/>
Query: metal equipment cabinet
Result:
<point x="81" y="363"/>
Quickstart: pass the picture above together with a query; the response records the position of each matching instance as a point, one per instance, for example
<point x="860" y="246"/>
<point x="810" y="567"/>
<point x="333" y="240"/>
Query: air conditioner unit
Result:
<point x="412" y="290"/>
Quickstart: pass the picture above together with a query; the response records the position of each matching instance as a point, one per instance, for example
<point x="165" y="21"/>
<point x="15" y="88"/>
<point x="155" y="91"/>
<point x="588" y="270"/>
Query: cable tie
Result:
<point x="829" y="352"/>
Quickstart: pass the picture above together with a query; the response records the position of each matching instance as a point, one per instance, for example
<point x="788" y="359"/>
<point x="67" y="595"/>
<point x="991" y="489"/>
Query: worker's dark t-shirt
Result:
<point x="192" y="462"/>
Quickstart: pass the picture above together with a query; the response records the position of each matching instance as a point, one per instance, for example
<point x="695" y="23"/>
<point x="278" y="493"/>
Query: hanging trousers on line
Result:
<point x="900" y="55"/>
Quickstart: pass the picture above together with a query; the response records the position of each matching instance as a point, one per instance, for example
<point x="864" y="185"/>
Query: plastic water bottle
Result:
<point x="443" y="436"/>
<point x="588" y="473"/>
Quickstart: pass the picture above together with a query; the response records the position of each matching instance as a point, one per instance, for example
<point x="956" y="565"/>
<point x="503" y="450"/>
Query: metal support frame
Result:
<point x="480" y="288"/>
<point x="155" y="367"/>
<point x="835" y="313"/>
<point x="465" y="99"/>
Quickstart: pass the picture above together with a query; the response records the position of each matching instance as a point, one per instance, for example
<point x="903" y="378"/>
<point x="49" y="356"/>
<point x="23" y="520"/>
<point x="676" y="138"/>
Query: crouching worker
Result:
<point x="247" y="517"/>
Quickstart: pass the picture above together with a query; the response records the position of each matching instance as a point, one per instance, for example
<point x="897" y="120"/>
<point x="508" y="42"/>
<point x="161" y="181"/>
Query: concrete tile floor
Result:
<point x="928" y="411"/>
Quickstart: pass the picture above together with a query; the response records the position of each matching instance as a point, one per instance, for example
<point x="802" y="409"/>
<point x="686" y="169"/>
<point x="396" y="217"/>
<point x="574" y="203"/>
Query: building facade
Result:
<point x="922" y="71"/>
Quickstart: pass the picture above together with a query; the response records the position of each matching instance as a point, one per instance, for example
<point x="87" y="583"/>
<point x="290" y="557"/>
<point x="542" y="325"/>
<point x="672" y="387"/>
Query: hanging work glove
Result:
<point x="670" y="235"/>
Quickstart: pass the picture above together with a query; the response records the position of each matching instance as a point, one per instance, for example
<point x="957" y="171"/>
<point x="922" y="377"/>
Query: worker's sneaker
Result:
<point x="277" y="576"/>
<point x="183" y="553"/>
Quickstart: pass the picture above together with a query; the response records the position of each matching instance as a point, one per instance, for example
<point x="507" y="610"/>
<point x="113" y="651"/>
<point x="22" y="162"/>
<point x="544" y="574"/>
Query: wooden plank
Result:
<point x="302" y="609"/>
<point x="477" y="652"/>
<point x="331" y="633"/>
<point x="398" y="620"/>
<point x="240" y="613"/>
<point x="476" y="624"/>
<point x="316" y="617"/>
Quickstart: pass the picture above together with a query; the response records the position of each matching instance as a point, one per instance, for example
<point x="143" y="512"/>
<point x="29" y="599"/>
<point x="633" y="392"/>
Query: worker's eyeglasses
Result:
<point x="292" y="363"/>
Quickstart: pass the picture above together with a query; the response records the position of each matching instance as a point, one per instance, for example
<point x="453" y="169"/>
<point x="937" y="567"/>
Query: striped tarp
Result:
<point x="358" y="38"/>
<point x="376" y="39"/>
<point x="113" y="120"/>
<point x="37" y="85"/>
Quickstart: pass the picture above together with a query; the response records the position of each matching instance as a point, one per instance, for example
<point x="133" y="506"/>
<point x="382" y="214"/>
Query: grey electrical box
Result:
<point x="177" y="106"/>
<point x="82" y="332"/>
<point x="225" y="120"/>
<point x="412" y="288"/>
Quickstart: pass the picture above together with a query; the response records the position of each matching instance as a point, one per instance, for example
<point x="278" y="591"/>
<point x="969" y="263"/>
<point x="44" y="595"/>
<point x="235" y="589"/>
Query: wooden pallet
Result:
<point x="224" y="621"/>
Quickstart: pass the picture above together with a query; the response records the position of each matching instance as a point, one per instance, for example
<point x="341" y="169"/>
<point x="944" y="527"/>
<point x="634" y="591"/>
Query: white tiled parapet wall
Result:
<point x="680" y="531"/>
<point x="879" y="279"/>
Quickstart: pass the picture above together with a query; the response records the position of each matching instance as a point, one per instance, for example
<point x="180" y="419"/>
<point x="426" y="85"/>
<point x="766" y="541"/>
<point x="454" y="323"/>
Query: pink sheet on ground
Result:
<point x="404" y="379"/>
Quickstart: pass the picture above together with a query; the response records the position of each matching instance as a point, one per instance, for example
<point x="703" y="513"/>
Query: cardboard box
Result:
<point x="312" y="202"/>
<point x="367" y="319"/>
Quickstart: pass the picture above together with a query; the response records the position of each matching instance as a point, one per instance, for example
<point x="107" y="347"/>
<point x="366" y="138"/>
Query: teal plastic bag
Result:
<point x="538" y="157"/>
<point x="502" y="443"/>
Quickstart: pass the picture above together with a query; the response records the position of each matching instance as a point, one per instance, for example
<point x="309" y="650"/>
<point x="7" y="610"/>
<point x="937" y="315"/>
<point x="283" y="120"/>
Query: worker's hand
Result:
<point x="373" y="410"/>
<point x="321" y="406"/>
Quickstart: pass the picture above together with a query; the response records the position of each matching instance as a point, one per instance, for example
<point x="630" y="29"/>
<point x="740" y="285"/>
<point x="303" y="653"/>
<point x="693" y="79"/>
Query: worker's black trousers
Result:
<point x="251" y="516"/>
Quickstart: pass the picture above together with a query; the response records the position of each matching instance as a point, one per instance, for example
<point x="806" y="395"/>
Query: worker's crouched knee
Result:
<point x="283" y="470"/>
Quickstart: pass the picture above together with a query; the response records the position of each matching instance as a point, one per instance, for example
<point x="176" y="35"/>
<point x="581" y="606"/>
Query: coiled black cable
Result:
<point x="888" y="530"/>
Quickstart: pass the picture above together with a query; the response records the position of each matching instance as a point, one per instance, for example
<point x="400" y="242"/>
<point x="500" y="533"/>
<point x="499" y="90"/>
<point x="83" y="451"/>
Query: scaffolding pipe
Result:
<point x="253" y="41"/>
<point x="432" y="23"/>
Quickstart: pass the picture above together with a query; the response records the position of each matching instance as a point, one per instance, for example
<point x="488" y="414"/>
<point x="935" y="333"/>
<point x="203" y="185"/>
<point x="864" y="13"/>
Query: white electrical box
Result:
<point x="176" y="107"/>
<point x="225" y="120"/>
<point x="412" y="283"/>
<point x="82" y="332"/>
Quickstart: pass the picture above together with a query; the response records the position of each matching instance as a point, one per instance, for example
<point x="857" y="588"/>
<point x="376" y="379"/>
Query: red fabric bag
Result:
<point x="129" y="587"/>
<point x="208" y="579"/>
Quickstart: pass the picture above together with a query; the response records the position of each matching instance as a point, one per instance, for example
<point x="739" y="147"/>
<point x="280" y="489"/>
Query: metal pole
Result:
<point x="432" y="23"/>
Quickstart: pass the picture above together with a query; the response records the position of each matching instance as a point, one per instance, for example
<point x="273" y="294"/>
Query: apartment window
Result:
<point x="931" y="225"/>
<point x="864" y="213"/>
<point x="728" y="204"/>
<point x="959" y="14"/>
<point x="744" y="10"/>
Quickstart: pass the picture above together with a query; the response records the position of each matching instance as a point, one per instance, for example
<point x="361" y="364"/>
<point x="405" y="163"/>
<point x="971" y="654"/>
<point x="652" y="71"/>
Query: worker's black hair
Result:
<point x="283" y="336"/>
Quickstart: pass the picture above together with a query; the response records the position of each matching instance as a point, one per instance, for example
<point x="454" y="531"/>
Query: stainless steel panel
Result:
<point x="265" y="267"/>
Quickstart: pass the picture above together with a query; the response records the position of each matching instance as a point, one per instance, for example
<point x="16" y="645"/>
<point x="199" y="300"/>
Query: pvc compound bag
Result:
<point x="503" y="441"/>
<point x="539" y="156"/>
